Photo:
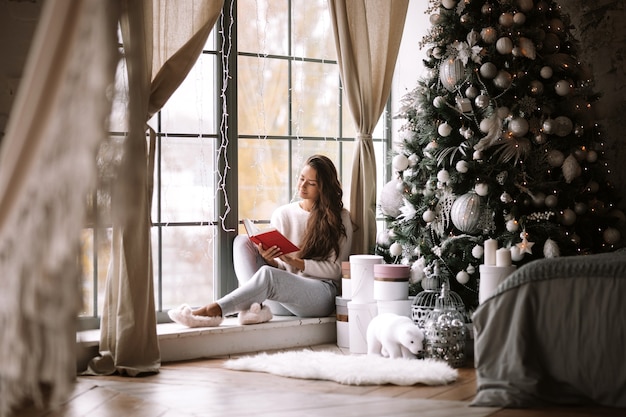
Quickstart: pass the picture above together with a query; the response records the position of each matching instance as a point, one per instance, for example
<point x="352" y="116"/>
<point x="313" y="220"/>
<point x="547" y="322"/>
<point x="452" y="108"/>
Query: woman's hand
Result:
<point x="293" y="261"/>
<point x="270" y="254"/>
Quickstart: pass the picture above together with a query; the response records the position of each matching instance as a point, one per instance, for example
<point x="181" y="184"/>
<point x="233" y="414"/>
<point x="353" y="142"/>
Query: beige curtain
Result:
<point x="47" y="167"/>
<point x="162" y="41"/>
<point x="367" y="38"/>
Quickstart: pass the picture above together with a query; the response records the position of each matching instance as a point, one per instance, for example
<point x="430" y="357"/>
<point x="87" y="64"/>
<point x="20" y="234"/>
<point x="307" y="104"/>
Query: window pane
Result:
<point x="102" y="257"/>
<point x="187" y="180"/>
<point x="315" y="107"/>
<point x="263" y="26"/>
<point x="263" y="96"/>
<point x="312" y="37"/>
<point x="264" y="182"/>
<point x="187" y="265"/>
<point x="191" y="108"/>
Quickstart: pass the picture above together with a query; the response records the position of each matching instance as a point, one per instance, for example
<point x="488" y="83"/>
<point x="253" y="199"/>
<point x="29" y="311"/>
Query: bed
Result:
<point x="554" y="333"/>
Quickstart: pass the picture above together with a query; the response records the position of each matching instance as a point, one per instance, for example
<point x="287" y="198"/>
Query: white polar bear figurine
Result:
<point x="394" y="336"/>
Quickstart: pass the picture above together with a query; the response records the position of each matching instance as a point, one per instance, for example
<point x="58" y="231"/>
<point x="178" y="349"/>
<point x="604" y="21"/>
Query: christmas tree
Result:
<point x="500" y="142"/>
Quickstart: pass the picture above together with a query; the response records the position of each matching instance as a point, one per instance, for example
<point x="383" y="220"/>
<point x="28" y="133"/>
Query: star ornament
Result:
<point x="525" y="246"/>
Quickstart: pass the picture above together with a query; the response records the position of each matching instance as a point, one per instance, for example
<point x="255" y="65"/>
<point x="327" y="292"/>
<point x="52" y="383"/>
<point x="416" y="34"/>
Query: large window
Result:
<point x="286" y="104"/>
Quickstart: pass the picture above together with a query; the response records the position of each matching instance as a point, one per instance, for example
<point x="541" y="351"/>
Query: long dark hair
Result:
<point x="324" y="228"/>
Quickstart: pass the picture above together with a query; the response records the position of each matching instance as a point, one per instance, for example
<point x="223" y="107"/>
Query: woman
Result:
<point x="304" y="284"/>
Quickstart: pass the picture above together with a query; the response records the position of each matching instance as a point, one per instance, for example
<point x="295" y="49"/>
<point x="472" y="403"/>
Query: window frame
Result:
<point x="226" y="222"/>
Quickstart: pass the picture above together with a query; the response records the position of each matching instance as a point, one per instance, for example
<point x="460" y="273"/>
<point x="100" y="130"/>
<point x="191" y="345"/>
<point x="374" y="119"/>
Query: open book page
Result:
<point x="269" y="237"/>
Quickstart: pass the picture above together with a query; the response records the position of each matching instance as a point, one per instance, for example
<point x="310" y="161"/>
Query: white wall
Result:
<point x="409" y="65"/>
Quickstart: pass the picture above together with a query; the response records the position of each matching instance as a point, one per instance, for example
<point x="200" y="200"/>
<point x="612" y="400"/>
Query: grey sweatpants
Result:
<point x="259" y="282"/>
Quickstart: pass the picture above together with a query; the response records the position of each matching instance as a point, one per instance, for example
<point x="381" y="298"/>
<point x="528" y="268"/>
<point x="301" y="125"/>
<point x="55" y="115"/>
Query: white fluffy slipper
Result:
<point x="257" y="313"/>
<point x="183" y="315"/>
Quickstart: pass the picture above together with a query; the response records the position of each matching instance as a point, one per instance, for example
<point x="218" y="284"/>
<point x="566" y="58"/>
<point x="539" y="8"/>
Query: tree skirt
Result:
<point x="347" y="369"/>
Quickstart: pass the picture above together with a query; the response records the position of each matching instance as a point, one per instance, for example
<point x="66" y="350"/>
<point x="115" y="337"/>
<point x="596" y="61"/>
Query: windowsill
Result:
<point x="179" y="343"/>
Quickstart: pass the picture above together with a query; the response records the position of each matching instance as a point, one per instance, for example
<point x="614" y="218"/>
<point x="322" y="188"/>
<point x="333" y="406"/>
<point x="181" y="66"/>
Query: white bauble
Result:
<point x="488" y="70"/>
<point x="546" y="72"/>
<point x="395" y="249"/>
<point x="462" y="167"/>
<point x="506" y="197"/>
<point x="443" y="176"/>
<point x="611" y="235"/>
<point x="512" y="226"/>
<point x="504" y="46"/>
<point x="482" y="189"/>
<point x="413" y="159"/>
<point x="471" y="92"/>
<point x="429" y="216"/>
<point x="519" y="126"/>
<point x="506" y="19"/>
<point x="519" y="18"/>
<point x="391" y="198"/>
<point x="477" y="155"/>
<point x="462" y="277"/>
<point x="444" y="129"/>
<point x="400" y="162"/>
<point x="562" y="88"/>
<point x="448" y="4"/>
<point x="482" y="101"/>
<point x="548" y="126"/>
<point x="478" y="251"/>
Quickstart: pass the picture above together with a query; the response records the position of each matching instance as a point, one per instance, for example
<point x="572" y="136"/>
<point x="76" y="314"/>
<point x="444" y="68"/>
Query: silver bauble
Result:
<point x="451" y="72"/>
<point x="466" y="212"/>
<point x="488" y="70"/>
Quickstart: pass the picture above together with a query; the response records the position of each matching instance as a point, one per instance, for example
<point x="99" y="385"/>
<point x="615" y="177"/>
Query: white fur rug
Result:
<point x="347" y="369"/>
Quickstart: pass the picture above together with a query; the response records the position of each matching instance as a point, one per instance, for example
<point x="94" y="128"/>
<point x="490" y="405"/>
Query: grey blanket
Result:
<point x="554" y="333"/>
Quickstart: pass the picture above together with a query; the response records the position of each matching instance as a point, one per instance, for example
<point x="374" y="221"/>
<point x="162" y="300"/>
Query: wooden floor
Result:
<point x="205" y="388"/>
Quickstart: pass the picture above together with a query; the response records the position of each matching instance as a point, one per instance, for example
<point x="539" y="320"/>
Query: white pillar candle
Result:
<point x="503" y="257"/>
<point x="491" y="245"/>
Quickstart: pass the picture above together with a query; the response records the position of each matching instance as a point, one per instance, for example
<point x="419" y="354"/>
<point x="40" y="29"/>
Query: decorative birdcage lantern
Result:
<point x="424" y="302"/>
<point x="445" y="331"/>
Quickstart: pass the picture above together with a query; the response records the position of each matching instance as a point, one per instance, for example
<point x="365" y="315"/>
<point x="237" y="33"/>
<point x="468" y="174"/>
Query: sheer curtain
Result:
<point x="162" y="40"/>
<point x="47" y="167"/>
<point x="367" y="38"/>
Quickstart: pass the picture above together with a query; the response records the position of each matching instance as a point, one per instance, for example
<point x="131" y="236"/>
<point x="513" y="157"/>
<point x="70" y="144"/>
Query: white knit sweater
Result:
<point x="290" y="220"/>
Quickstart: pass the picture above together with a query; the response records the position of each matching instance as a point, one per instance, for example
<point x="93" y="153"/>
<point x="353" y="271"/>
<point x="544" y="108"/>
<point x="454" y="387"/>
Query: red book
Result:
<point x="269" y="237"/>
